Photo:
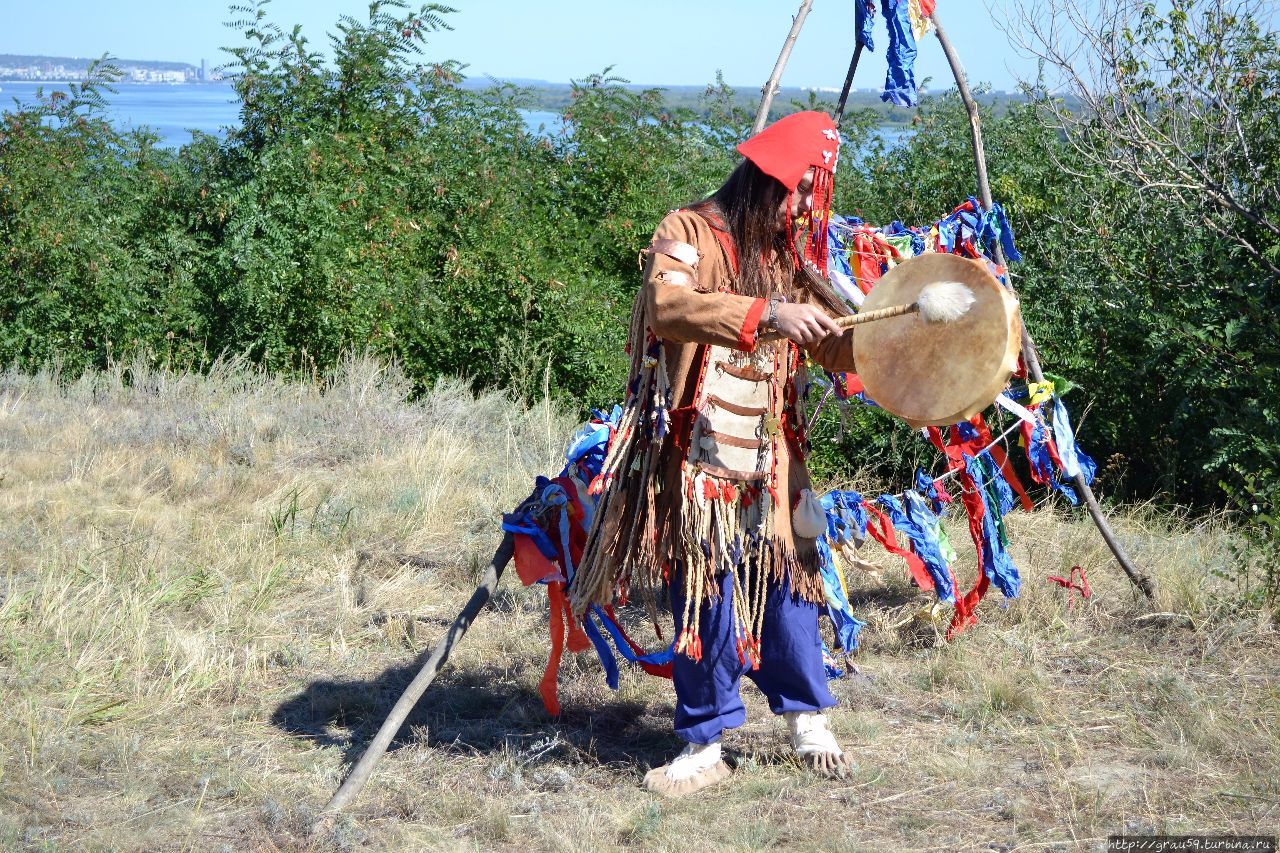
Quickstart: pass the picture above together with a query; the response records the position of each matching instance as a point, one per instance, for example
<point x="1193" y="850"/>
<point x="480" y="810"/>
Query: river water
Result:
<point x="174" y="111"/>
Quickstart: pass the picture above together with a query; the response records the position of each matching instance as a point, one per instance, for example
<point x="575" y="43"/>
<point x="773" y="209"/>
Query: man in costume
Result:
<point x="704" y="490"/>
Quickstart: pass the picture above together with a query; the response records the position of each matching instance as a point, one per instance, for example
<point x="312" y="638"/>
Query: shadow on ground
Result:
<point x="884" y="598"/>
<point x="478" y="711"/>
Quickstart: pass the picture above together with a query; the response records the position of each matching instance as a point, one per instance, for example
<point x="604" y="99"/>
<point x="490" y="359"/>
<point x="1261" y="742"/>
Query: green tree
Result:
<point x="98" y="255"/>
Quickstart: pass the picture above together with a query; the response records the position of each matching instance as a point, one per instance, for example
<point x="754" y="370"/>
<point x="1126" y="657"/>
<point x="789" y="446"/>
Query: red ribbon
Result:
<point x="885" y="535"/>
<point x="966" y="614"/>
<point x="1068" y="583"/>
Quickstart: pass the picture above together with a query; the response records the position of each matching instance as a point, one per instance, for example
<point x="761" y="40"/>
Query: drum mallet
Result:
<point x="939" y="302"/>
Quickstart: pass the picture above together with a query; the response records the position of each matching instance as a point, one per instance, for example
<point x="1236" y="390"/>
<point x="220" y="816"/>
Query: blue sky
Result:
<point x="656" y="41"/>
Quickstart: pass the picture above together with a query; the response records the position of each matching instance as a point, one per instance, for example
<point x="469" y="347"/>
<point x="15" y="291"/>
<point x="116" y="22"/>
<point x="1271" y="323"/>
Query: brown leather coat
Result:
<point x="652" y="516"/>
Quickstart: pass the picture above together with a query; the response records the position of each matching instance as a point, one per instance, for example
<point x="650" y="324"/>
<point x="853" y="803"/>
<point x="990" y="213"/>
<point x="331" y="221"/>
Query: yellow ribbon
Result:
<point x="1039" y="392"/>
<point x="931" y="242"/>
<point x="920" y="22"/>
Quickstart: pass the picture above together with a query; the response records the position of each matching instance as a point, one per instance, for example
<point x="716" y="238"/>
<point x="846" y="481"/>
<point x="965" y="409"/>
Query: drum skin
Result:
<point x="937" y="374"/>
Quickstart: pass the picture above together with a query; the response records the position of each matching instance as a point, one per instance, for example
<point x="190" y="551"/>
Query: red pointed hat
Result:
<point x="787" y="148"/>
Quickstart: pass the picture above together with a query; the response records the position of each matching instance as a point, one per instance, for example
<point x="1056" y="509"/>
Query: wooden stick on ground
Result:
<point x="771" y="88"/>
<point x="1139" y="580"/>
<point x="439" y="655"/>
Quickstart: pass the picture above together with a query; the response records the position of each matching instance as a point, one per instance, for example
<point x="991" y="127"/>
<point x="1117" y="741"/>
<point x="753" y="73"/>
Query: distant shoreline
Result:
<point x="4" y="80"/>
<point x="558" y="98"/>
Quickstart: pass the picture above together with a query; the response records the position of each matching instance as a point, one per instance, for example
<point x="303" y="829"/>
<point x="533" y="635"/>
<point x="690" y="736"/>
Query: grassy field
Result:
<point x="213" y="588"/>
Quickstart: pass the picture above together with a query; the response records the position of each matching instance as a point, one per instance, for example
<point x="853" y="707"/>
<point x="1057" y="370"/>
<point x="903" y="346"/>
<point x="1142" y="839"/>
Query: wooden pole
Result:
<point x="1029" y="354"/>
<point x="439" y="655"/>
<point x="848" y="80"/>
<point x="771" y="88"/>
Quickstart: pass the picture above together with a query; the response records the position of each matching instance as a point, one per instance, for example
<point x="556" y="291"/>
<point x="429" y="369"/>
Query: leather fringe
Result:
<point x="725" y="526"/>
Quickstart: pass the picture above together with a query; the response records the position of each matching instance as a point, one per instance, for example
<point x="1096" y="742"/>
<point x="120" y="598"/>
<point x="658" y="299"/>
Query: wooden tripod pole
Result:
<point x="1140" y="580"/>
<point x="771" y="88"/>
<point x="848" y="81"/>
<point x="439" y="655"/>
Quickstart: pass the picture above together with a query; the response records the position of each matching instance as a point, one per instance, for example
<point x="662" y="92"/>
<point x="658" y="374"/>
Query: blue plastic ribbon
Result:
<point x="624" y="648"/>
<point x="524" y="523"/>
<point x="925" y="543"/>
<point x="1038" y="452"/>
<point x="994" y="226"/>
<point x="554" y="495"/>
<point x="996" y="562"/>
<point x="865" y="20"/>
<point x="829" y="663"/>
<point x="900" y="78"/>
<point x="917" y="239"/>
<point x="607" y="659"/>
<point x="839" y="253"/>
<point x="846" y="517"/>
<point x="968" y="432"/>
<point x="839" y="610"/>
<point x="927" y="487"/>
<point x="1002" y="489"/>
<point x="1074" y="460"/>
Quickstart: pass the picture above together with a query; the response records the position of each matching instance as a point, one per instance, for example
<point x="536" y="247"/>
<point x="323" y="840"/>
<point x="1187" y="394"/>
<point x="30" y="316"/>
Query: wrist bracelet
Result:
<point x="772" y="320"/>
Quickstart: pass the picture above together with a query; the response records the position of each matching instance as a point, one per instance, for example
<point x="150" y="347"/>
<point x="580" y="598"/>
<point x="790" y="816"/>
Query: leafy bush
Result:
<point x="98" y="255"/>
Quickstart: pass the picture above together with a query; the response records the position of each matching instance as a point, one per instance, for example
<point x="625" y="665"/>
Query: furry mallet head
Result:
<point x="944" y="301"/>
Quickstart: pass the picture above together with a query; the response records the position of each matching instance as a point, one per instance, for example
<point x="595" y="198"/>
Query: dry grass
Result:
<point x="214" y="587"/>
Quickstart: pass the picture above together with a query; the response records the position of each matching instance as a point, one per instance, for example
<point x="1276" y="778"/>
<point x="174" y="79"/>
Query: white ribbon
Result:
<point x="1007" y="403"/>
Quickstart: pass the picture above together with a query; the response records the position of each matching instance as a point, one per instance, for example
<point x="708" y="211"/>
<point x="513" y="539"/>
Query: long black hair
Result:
<point x="747" y="206"/>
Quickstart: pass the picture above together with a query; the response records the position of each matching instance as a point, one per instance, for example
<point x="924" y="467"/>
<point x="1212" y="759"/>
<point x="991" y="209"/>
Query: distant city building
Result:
<point x="64" y="69"/>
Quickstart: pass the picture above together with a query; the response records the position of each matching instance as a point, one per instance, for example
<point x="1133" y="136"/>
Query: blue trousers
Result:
<point x="791" y="674"/>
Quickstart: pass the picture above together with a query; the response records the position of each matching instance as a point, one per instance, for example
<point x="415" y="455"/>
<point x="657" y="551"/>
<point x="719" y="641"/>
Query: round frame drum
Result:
<point x="937" y="374"/>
